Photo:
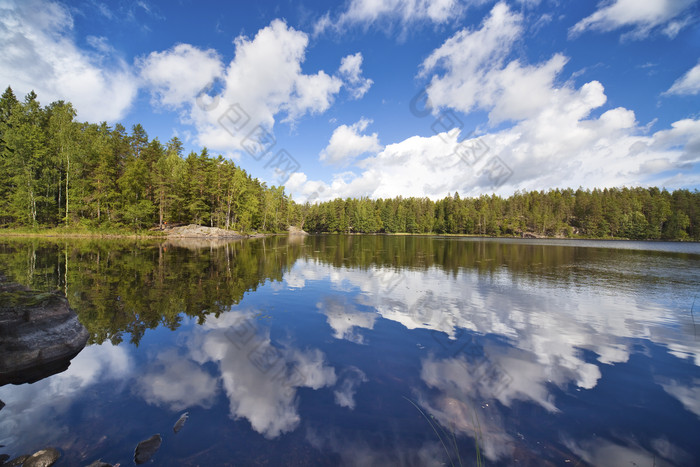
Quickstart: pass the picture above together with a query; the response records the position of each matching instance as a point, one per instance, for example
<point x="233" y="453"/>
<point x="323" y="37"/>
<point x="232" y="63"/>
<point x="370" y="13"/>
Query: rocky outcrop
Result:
<point x="199" y="231"/>
<point x="39" y="334"/>
<point x="294" y="230"/>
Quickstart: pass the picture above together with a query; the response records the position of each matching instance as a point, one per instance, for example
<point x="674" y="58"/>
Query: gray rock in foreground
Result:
<point x="145" y="449"/>
<point x="99" y="463"/>
<point x="39" y="334"/>
<point x="43" y="458"/>
<point x="16" y="462"/>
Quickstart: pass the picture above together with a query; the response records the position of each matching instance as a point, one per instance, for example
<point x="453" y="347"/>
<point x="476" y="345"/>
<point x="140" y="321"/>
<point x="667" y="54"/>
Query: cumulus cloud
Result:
<point x="545" y="344"/>
<point x="559" y="135"/>
<point x="177" y="383"/>
<point x="348" y="142"/>
<point x="235" y="106"/>
<point x="262" y="80"/>
<point x="558" y="149"/>
<point x="641" y="17"/>
<point x="687" y="394"/>
<point x="351" y="71"/>
<point x="345" y="318"/>
<point x="259" y="378"/>
<point x="688" y="84"/>
<point x="345" y="393"/>
<point x="404" y="12"/>
<point x="475" y="74"/>
<point x="608" y="453"/>
<point x="176" y="75"/>
<point x="36" y="413"/>
<point x="39" y="53"/>
<point x="354" y="449"/>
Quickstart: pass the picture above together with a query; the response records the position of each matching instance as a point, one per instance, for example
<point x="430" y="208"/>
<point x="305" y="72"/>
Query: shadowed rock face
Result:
<point x="39" y="334"/>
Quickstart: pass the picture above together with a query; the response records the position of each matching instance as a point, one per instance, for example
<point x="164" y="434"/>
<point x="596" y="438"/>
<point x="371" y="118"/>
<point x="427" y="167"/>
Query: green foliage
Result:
<point x="636" y="213"/>
<point x="55" y="171"/>
<point x="121" y="288"/>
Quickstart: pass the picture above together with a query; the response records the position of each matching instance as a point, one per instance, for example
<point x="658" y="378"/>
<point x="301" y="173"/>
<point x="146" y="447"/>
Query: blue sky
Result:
<point x="522" y="94"/>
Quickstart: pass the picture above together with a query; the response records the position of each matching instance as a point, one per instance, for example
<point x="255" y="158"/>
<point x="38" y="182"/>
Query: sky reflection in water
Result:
<point x="545" y="351"/>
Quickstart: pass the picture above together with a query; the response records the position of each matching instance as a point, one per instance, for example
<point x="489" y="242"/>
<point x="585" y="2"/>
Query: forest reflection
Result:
<point x="120" y="288"/>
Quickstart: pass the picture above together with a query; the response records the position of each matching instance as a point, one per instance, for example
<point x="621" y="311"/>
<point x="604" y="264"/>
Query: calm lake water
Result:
<point x="368" y="350"/>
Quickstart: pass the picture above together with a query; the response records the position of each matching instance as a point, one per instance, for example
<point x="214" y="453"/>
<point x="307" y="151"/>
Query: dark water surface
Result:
<point x="368" y="350"/>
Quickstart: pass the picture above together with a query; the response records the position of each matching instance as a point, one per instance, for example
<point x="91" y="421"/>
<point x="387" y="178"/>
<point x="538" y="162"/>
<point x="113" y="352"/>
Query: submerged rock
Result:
<point x="180" y="422"/>
<point x="43" y="458"/>
<point x="39" y="334"/>
<point x="17" y="461"/>
<point x="99" y="463"/>
<point x="2" y="404"/>
<point x="145" y="449"/>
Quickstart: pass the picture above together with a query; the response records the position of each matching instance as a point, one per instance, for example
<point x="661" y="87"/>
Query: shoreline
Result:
<point x="163" y="235"/>
<point x="509" y="237"/>
<point x="195" y="232"/>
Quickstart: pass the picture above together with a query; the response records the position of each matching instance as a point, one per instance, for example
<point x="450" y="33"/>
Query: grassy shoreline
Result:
<point x="514" y="237"/>
<point x="62" y="232"/>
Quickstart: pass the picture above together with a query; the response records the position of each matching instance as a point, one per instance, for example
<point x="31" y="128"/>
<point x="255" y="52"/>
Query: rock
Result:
<point x="39" y="334"/>
<point x="2" y="404"/>
<point x="99" y="463"/>
<point x="294" y="230"/>
<point x="43" y="458"/>
<point x="3" y="458"/>
<point x="180" y="422"/>
<point x="194" y="244"/>
<point x="17" y="461"/>
<point x="199" y="231"/>
<point x="145" y="449"/>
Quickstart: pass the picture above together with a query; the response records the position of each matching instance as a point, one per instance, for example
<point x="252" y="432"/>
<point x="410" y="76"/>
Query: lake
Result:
<point x="367" y="350"/>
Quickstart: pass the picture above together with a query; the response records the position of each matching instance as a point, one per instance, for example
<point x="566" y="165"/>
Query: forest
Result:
<point x="120" y="288"/>
<point x="58" y="172"/>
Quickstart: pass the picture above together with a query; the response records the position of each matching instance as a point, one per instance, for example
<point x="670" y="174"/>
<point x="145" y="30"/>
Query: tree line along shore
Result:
<point x="61" y="175"/>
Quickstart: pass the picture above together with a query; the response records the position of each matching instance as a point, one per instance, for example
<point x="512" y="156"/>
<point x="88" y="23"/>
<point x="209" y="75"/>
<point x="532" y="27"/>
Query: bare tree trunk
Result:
<point x="228" y="210"/>
<point x="60" y="187"/>
<point x="160" y="210"/>
<point x="67" y="174"/>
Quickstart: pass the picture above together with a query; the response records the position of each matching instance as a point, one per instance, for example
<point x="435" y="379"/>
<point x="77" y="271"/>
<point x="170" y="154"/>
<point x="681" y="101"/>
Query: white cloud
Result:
<point x="177" y="383"/>
<point x="687" y="394"/>
<point x="347" y="388"/>
<point x="345" y="318"/>
<point x="688" y="84"/>
<point x="354" y="449"/>
<point x="347" y="142"/>
<point x="36" y="413"/>
<point x="40" y="54"/>
<point x="259" y="378"/>
<point x="178" y="74"/>
<point x="351" y="70"/>
<point x="264" y="79"/>
<point x="563" y="147"/>
<point x="262" y="84"/>
<point x="405" y="12"/>
<point x="547" y="333"/>
<point x="475" y="75"/>
<point x="561" y="136"/>
<point x="641" y="17"/>
<point x="606" y="453"/>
